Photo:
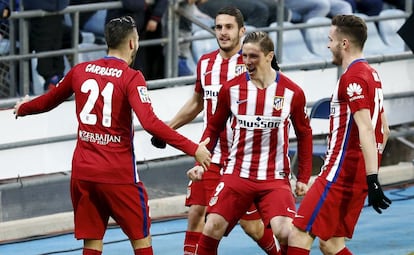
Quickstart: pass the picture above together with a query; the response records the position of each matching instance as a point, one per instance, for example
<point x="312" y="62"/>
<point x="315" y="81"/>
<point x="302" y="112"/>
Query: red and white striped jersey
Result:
<point x="261" y="128"/>
<point x="358" y="88"/>
<point x="213" y="71"/>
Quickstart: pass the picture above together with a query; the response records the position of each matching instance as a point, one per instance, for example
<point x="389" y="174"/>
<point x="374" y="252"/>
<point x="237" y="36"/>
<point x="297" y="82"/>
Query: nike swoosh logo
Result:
<point x="291" y="211"/>
<point x="299" y="216"/>
<point x="241" y="101"/>
<point x="251" y="212"/>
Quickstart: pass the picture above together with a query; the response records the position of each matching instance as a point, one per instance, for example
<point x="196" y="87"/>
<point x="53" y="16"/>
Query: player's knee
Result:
<point x="252" y="228"/>
<point x="215" y="226"/>
<point x="196" y="218"/>
<point x="282" y="232"/>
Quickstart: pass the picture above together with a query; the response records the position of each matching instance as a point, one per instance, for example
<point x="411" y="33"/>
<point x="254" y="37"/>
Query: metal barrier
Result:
<point x="171" y="40"/>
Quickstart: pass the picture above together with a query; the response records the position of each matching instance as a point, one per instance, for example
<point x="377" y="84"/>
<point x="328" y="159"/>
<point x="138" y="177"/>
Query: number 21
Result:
<point x="85" y="114"/>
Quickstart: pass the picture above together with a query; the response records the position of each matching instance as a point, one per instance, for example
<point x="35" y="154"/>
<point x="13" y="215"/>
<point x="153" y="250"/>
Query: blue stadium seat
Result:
<point x="206" y="20"/>
<point x="319" y="121"/>
<point x="316" y="38"/>
<point x="96" y="23"/>
<point x="374" y="44"/>
<point x="388" y="28"/>
<point x="203" y="46"/>
<point x="294" y="50"/>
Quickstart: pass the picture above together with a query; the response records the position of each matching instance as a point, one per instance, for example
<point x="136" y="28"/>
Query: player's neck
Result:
<point x="265" y="79"/>
<point x="120" y="55"/>
<point x="351" y="58"/>
<point x="229" y="54"/>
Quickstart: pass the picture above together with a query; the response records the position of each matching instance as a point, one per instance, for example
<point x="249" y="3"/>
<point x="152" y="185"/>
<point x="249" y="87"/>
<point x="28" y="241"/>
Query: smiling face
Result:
<point x="256" y="61"/>
<point x="228" y="33"/>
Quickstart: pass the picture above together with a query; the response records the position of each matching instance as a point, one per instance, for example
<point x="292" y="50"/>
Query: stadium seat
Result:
<point x="319" y="121"/>
<point x="294" y="50"/>
<point x="374" y="44"/>
<point x="316" y="38"/>
<point x="388" y="28"/>
<point x="96" y="23"/>
<point x="206" y="20"/>
<point x="203" y="46"/>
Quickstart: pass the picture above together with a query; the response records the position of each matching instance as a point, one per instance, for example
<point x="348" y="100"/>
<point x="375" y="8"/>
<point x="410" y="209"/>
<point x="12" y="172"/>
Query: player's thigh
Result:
<point x="277" y="200"/>
<point x="129" y="208"/>
<point x="231" y="199"/>
<point x="91" y="213"/>
<point x="330" y="210"/>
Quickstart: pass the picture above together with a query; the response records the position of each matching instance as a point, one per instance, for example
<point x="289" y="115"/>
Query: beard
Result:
<point x="336" y="57"/>
<point x="230" y="47"/>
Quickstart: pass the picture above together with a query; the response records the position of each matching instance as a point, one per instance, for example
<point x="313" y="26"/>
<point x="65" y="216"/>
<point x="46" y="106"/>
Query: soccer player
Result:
<point x="214" y="69"/>
<point x="358" y="134"/>
<point x="104" y="180"/>
<point x="263" y="104"/>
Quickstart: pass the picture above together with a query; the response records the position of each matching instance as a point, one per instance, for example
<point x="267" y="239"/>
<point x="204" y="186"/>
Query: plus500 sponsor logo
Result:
<point x="258" y="122"/>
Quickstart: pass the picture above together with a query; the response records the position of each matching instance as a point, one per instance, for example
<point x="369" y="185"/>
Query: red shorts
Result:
<point x="199" y="192"/>
<point x="94" y="203"/>
<point x="235" y="195"/>
<point x="329" y="210"/>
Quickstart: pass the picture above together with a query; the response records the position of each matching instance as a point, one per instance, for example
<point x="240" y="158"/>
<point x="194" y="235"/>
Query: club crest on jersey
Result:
<point x="278" y="103"/>
<point x="241" y="68"/>
<point x="354" y="91"/>
<point x="143" y="94"/>
<point x="213" y="201"/>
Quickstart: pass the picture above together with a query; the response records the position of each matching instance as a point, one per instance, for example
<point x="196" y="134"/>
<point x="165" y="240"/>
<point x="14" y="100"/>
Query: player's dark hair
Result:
<point x="352" y="26"/>
<point x="117" y="30"/>
<point x="232" y="11"/>
<point x="262" y="38"/>
<point x="265" y="43"/>
<point x="274" y="63"/>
